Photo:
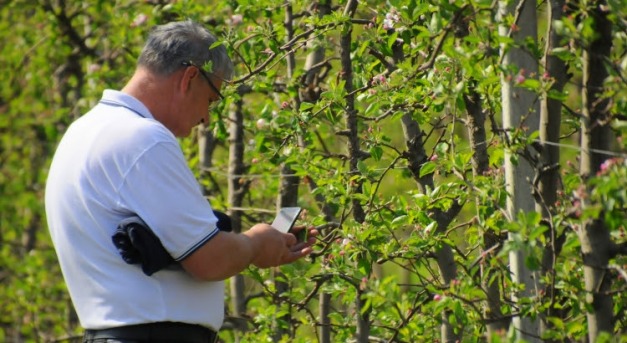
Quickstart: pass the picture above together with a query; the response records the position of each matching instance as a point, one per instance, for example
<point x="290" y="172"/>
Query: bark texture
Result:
<point x="596" y="135"/>
<point x="520" y="113"/>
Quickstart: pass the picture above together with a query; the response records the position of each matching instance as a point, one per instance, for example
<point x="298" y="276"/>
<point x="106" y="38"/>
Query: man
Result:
<point x="122" y="159"/>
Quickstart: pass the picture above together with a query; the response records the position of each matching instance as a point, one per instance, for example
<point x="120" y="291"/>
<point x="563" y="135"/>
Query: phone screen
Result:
<point x="285" y="218"/>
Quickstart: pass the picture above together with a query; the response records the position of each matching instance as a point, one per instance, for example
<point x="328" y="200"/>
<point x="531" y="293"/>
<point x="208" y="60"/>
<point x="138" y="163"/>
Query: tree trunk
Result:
<point x="325" y="321"/>
<point x="416" y="156"/>
<point x="310" y="92"/>
<point x="496" y="322"/>
<point x="236" y="194"/>
<point x="444" y="256"/>
<point x="206" y="145"/>
<point x="520" y="112"/>
<point x="288" y="196"/>
<point x="596" y="134"/>
<point x="288" y="187"/>
<point x="355" y="154"/>
<point x="549" y="178"/>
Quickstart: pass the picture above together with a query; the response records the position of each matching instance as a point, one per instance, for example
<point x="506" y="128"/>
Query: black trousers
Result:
<point x="160" y="332"/>
<point x="107" y="340"/>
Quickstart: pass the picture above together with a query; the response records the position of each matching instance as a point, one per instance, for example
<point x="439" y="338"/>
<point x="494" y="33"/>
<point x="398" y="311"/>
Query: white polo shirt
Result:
<point x="114" y="162"/>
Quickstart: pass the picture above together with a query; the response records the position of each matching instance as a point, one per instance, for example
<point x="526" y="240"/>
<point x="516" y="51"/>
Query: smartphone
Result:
<point x="286" y="218"/>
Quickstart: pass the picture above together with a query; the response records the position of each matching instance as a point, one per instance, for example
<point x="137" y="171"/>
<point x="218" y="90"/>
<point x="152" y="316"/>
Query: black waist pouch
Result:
<point x="138" y="244"/>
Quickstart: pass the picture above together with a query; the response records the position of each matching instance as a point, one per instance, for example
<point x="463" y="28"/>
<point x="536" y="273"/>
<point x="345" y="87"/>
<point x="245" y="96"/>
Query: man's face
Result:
<point x="205" y="94"/>
<point x="213" y="97"/>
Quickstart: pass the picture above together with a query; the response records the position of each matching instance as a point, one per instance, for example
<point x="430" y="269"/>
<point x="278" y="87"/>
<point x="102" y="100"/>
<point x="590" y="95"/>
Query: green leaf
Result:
<point x="442" y="148"/>
<point x="431" y="228"/>
<point x="537" y="232"/>
<point x="367" y="306"/>
<point x="364" y="266"/>
<point x="557" y="95"/>
<point x="362" y="167"/>
<point x="216" y="44"/>
<point x="305" y="106"/>
<point x="427" y="168"/>
<point x="400" y="220"/>
<point x="532" y="262"/>
<point x="575" y="328"/>
<point x="531" y="84"/>
<point x="376" y="152"/>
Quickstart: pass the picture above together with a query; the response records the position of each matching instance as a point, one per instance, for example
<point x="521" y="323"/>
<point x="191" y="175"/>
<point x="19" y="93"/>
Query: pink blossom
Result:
<point x="92" y="68"/>
<point x="388" y="24"/>
<point x="393" y="16"/>
<point x="236" y="19"/>
<point x="434" y="157"/>
<point x="364" y="283"/>
<point x="379" y="79"/>
<point x="261" y="123"/>
<point x="139" y="20"/>
<point x="437" y="297"/>
<point x="607" y="164"/>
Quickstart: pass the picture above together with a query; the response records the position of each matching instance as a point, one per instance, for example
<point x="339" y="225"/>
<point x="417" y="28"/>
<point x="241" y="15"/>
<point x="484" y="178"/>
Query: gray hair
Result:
<point x="171" y="45"/>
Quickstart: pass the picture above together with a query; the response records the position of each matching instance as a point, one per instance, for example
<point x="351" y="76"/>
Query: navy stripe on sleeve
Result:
<point x="198" y="245"/>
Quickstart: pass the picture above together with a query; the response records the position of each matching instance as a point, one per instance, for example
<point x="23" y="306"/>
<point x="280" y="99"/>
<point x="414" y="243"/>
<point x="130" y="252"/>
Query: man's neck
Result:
<point x="154" y="91"/>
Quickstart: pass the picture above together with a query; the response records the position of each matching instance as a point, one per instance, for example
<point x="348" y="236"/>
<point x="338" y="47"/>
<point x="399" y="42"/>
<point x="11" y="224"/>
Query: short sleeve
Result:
<point x="161" y="189"/>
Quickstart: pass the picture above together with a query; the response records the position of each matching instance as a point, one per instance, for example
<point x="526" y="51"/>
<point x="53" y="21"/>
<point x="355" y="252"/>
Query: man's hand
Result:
<point x="228" y="253"/>
<point x="272" y="248"/>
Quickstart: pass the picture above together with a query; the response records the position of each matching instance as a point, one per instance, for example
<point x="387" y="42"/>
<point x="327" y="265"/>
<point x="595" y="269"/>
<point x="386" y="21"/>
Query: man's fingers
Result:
<point x="290" y="239"/>
<point x="297" y="254"/>
<point x="298" y="250"/>
<point x="297" y="228"/>
<point x="312" y="232"/>
<point x="311" y="240"/>
<point x="300" y="246"/>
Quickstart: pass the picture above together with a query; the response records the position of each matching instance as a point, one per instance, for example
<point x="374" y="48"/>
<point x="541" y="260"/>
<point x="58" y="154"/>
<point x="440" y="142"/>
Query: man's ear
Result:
<point x="187" y="77"/>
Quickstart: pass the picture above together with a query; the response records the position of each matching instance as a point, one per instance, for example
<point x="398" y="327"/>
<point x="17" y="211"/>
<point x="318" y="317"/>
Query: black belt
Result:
<point x="157" y="332"/>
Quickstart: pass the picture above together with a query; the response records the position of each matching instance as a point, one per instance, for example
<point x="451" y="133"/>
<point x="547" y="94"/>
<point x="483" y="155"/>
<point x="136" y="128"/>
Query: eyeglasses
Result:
<point x="204" y="74"/>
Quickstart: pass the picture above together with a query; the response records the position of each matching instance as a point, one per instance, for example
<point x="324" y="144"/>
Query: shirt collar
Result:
<point x="118" y="98"/>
